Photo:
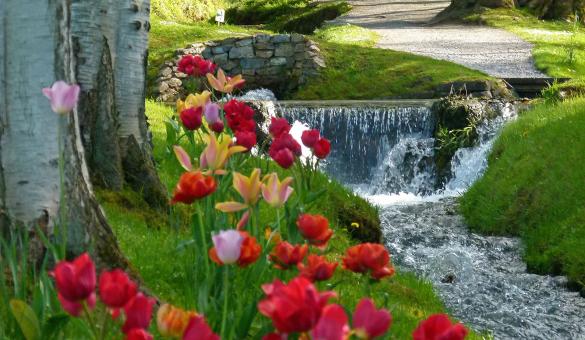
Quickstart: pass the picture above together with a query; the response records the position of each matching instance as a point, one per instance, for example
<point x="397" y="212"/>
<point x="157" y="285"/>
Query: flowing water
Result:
<point x="385" y="152"/>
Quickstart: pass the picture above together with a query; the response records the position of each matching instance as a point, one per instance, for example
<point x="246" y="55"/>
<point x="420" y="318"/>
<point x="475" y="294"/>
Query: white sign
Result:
<point x="220" y="16"/>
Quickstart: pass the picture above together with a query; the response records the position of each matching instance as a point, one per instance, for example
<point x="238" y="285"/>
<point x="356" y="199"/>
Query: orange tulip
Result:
<point x="370" y="258"/>
<point x="172" y="321"/>
<point x="192" y="186"/>
<point x="225" y="84"/>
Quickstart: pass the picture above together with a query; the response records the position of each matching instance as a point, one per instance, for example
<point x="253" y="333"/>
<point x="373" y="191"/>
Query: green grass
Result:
<point x="150" y="242"/>
<point x="186" y="10"/>
<point x="534" y="188"/>
<point x="373" y="73"/>
<point x="348" y="34"/>
<point x="553" y="40"/>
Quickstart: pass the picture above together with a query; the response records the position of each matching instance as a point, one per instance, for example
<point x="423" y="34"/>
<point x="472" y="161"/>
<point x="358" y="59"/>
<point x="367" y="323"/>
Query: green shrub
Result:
<point x="299" y="16"/>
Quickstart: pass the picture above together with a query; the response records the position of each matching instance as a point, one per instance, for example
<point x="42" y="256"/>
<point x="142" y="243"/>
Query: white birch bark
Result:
<point x="33" y="137"/>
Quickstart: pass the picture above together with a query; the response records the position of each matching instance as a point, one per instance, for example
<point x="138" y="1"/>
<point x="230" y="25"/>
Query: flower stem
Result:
<point x="225" y="300"/>
<point x="62" y="223"/>
<point x="90" y="320"/>
<point x="203" y="237"/>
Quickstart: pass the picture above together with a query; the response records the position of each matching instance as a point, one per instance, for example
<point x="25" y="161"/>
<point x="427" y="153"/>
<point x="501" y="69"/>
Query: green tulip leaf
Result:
<point x="27" y="319"/>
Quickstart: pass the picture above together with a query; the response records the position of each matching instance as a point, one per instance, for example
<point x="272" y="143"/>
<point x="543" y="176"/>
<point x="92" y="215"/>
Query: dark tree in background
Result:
<point x="546" y="9"/>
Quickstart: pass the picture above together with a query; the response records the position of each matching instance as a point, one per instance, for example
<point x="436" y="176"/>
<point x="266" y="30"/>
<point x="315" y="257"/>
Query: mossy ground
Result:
<point x="150" y="241"/>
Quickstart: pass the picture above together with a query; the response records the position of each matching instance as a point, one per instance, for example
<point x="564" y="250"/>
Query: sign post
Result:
<point x="220" y="16"/>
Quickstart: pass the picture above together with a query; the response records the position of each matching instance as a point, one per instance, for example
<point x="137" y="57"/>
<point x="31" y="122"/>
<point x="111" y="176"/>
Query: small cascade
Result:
<point x="361" y="137"/>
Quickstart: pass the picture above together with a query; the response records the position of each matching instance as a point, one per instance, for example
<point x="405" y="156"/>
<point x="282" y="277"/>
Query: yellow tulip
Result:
<point x="194" y="100"/>
<point x="224" y="84"/>
<point x="275" y="192"/>
<point x="216" y="154"/>
<point x="248" y="187"/>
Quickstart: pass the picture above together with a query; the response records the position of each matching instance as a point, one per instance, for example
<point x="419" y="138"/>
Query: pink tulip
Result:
<point x="63" y="97"/>
<point x="211" y="113"/>
<point x="369" y="322"/>
<point x="228" y="246"/>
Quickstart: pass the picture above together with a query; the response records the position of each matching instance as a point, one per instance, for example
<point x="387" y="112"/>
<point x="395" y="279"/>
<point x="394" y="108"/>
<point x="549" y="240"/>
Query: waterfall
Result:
<point x="367" y="139"/>
<point x="390" y="150"/>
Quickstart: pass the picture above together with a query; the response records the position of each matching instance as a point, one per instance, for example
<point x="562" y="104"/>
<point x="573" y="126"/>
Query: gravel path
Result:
<point x="402" y="25"/>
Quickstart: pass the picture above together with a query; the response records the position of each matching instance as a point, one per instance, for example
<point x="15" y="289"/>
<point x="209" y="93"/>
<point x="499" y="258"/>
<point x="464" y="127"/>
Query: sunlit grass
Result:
<point x="533" y="188"/>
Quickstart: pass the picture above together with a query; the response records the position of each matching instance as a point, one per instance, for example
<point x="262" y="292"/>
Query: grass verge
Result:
<point x="559" y="46"/>
<point x="150" y="242"/>
<point x="533" y="188"/>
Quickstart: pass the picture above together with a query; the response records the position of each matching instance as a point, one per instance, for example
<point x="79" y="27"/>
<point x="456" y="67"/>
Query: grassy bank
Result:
<point x="533" y="188"/>
<point x="150" y="242"/>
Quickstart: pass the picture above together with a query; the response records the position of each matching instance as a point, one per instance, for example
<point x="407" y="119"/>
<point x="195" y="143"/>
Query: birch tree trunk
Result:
<point x="111" y="37"/>
<point x="44" y="177"/>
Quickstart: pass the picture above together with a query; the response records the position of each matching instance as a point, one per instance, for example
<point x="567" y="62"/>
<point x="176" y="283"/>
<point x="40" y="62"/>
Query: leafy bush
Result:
<point x="285" y="15"/>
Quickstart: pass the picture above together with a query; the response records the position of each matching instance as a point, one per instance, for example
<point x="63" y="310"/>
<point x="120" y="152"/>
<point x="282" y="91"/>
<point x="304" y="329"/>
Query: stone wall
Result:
<point x="278" y="62"/>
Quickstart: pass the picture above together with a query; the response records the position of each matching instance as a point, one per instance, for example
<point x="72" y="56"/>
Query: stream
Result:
<point x="384" y="151"/>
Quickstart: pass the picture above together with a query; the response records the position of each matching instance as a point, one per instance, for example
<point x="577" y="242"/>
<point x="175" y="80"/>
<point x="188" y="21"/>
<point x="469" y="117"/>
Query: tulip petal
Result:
<point x="183" y="158"/>
<point x="229" y="207"/>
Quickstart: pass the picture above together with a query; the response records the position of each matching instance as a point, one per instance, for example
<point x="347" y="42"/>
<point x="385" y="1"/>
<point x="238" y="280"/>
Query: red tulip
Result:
<point x="199" y="330"/>
<point x="369" y="257"/>
<point x="138" y="334"/>
<point x="217" y="126"/>
<point x="332" y="325"/>
<point x="284" y="158"/>
<point x="75" y="280"/>
<point x="285" y="141"/>
<point x="368" y="322"/>
<point x="322" y="148"/>
<point x="75" y="308"/>
<point x="285" y="255"/>
<point x="116" y="288"/>
<point x="278" y="126"/>
<point x="138" y="312"/>
<point x="310" y="137"/>
<point x="246" y="139"/>
<point x="192" y="186"/>
<point x="295" y="307"/>
<point x="239" y="116"/>
<point x="439" y="327"/>
<point x="249" y="252"/>
<point x="315" y="228"/>
<point x="317" y="268"/>
<point x="192" y="118"/>
<point x="275" y="336"/>
<point x="195" y="65"/>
